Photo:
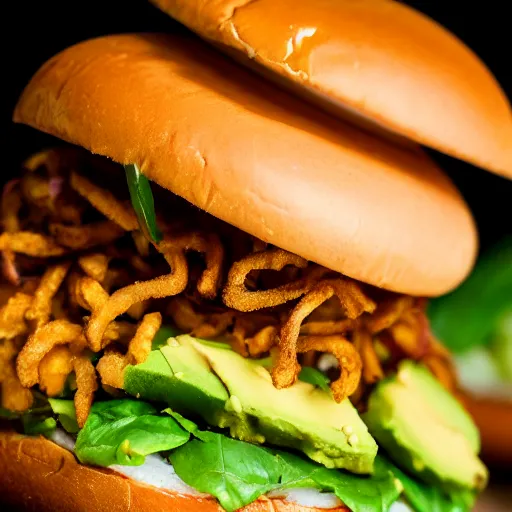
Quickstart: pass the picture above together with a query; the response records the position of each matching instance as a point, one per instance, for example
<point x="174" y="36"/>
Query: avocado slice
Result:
<point x="425" y="430"/>
<point x="179" y="376"/>
<point x="302" y="417"/>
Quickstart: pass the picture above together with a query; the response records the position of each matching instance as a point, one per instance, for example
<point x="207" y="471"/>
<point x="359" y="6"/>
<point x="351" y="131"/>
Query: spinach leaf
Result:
<point x="142" y="201"/>
<point x="237" y="473"/>
<point x="124" y="432"/>
<point x="428" y="498"/>
<point x="315" y="377"/>
<point x="8" y="414"/>
<point x="35" y="424"/>
<point x="468" y="316"/>
<point x="65" y="409"/>
<point x="376" y="492"/>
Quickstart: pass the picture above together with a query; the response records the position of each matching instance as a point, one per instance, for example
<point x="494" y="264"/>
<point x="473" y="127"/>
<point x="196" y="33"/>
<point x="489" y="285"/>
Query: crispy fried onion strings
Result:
<point x="111" y="366"/>
<point x="348" y="360"/>
<point x="87" y="236"/>
<point x="105" y="202"/>
<point x="31" y="244"/>
<point x="54" y="369"/>
<point x="58" y="332"/>
<point x="372" y="369"/>
<point x="173" y="250"/>
<point x="14" y="396"/>
<point x="95" y="265"/>
<point x="388" y="313"/>
<point x="121" y="300"/>
<point x="12" y="316"/>
<point x="237" y="296"/>
<point x="210" y="246"/>
<point x="352" y="300"/>
<point x="40" y="310"/>
<point x="86" y="385"/>
<point x="200" y="325"/>
<point x="41" y="343"/>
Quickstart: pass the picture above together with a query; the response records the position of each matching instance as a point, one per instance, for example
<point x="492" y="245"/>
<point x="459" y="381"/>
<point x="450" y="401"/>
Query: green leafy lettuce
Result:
<point x="142" y="201"/>
<point x="35" y="424"/>
<point x="237" y="473"/>
<point x="65" y="411"/>
<point x="427" y="498"/>
<point x="315" y="377"/>
<point x="469" y="316"/>
<point x="124" y="432"/>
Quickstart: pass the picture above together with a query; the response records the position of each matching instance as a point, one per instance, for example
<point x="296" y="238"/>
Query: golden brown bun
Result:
<point x="378" y="58"/>
<point x="493" y="418"/>
<point x="258" y="158"/>
<point x="37" y="475"/>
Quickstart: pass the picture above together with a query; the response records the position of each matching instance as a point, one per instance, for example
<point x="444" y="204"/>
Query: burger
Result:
<point x="215" y="298"/>
<point x="393" y="71"/>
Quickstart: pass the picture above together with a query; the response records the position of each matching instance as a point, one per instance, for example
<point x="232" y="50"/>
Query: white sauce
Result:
<point x="400" y="506"/>
<point x="156" y="471"/>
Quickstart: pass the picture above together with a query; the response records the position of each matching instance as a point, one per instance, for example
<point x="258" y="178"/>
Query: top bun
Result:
<point x="255" y="157"/>
<point x="376" y="61"/>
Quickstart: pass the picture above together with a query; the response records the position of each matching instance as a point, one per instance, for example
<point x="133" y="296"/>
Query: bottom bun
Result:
<point x="38" y="475"/>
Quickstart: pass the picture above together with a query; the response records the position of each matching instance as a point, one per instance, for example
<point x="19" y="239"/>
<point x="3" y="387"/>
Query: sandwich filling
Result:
<point x="144" y="327"/>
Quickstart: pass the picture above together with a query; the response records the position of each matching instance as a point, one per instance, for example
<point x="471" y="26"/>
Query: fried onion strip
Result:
<point x="121" y="300"/>
<point x="328" y="327"/>
<point x="214" y="326"/>
<point x="184" y="315"/>
<point x="31" y="244"/>
<point x="262" y="341"/>
<point x="140" y="346"/>
<point x="237" y="296"/>
<point x="90" y="294"/>
<point x="410" y="334"/>
<point x="15" y="397"/>
<point x="40" y="310"/>
<point x="54" y="369"/>
<point x="111" y="367"/>
<point x="348" y="359"/>
<point x="86" y="386"/>
<point x="210" y="246"/>
<point x="372" y="369"/>
<point x="105" y="202"/>
<point x="388" y="313"/>
<point x="58" y="332"/>
<point x="352" y="300"/>
<point x="86" y="236"/>
<point x="94" y="265"/>
<point x="12" y="316"/>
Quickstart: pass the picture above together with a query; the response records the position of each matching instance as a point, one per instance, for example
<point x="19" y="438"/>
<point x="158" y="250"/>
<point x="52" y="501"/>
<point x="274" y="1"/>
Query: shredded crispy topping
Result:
<point x="87" y="281"/>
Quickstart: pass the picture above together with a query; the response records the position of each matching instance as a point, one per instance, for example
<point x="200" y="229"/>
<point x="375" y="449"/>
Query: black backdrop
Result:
<point x="33" y="31"/>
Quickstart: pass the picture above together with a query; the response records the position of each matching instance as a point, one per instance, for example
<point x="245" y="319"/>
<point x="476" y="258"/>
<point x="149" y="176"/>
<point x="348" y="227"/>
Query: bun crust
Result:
<point x="377" y="58"/>
<point x="37" y="475"/>
<point x="257" y="158"/>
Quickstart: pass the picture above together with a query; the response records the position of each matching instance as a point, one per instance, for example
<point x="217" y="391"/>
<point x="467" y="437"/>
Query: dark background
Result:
<point x="34" y="31"/>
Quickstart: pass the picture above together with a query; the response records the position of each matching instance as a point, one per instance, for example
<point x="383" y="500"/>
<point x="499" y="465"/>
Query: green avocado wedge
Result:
<point x="425" y="430"/>
<point x="229" y="391"/>
<point x="178" y="376"/>
<point x="302" y="417"/>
